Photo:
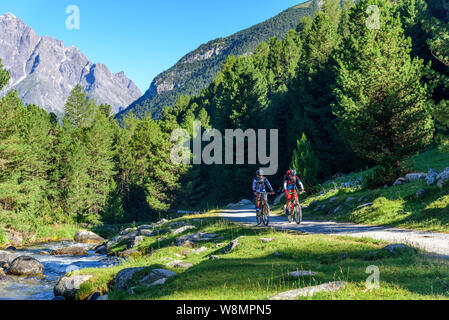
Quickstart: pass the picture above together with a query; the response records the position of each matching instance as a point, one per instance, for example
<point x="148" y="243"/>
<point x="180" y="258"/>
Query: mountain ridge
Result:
<point x="43" y="70"/>
<point x="197" y="69"/>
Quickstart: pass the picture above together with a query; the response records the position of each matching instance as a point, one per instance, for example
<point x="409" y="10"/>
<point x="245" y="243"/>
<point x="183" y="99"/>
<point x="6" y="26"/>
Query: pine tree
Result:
<point x="304" y="162"/>
<point x="381" y="102"/>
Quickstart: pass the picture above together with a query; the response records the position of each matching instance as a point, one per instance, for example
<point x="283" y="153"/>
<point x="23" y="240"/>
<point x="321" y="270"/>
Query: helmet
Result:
<point x="293" y="173"/>
<point x="259" y="172"/>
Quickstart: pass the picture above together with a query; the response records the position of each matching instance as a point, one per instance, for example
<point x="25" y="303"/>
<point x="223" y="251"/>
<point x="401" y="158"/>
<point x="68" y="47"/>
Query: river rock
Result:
<point x="415" y="176"/>
<point x="6" y="257"/>
<point x="25" y="266"/>
<point x="157" y="275"/>
<point x="70" y="251"/>
<point x="124" y="276"/>
<point x="68" y="287"/>
<point x="309" y="291"/>
<point x="85" y="236"/>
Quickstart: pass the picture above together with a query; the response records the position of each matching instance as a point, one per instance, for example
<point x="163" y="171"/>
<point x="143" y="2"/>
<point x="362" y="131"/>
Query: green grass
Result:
<point x="252" y="271"/>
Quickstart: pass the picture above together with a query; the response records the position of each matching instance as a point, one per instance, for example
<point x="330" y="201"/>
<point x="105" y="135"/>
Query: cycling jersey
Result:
<point x="259" y="185"/>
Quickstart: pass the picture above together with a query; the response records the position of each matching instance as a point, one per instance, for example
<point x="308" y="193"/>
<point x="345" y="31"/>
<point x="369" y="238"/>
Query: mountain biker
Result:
<point x="290" y="184"/>
<point x="259" y="187"/>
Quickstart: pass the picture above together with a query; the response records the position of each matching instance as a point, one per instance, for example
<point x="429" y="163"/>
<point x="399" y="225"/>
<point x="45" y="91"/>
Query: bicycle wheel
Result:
<point x="259" y="217"/>
<point x="266" y="214"/>
<point x="298" y="214"/>
<point x="290" y="215"/>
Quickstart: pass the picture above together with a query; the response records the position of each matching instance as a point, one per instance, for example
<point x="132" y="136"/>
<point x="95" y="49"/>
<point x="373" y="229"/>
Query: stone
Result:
<point x="443" y="178"/>
<point x="199" y="250"/>
<point x="245" y="202"/>
<point x="214" y="257"/>
<point x="44" y="253"/>
<point x="232" y="245"/>
<point x="127" y="231"/>
<point x="393" y="247"/>
<point x="145" y="227"/>
<point x="336" y="210"/>
<point x="68" y="287"/>
<point x="415" y="176"/>
<point x="124" y="276"/>
<point x="399" y="182"/>
<point x="309" y="291"/>
<point x="84" y="236"/>
<point x="301" y="273"/>
<point x="70" y="251"/>
<point x="179" y="264"/>
<point x="185" y="243"/>
<point x="370" y="204"/>
<point x="25" y="266"/>
<point x="103" y="298"/>
<point x="11" y="248"/>
<point x="155" y="276"/>
<point x="333" y="199"/>
<point x="349" y="199"/>
<point x="146" y="233"/>
<point x="420" y="193"/>
<point x="101" y="249"/>
<point x="130" y="253"/>
<point x="132" y="243"/>
<point x="183" y="229"/>
<point x="6" y="257"/>
<point x="13" y="236"/>
<point x="431" y="177"/>
<point x="266" y="240"/>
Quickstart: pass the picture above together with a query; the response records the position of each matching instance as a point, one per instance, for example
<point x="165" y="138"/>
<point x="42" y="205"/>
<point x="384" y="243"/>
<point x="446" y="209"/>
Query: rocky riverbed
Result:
<point x="32" y="273"/>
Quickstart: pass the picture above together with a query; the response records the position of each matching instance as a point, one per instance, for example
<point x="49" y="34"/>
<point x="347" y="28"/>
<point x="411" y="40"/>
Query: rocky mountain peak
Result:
<point x="44" y="71"/>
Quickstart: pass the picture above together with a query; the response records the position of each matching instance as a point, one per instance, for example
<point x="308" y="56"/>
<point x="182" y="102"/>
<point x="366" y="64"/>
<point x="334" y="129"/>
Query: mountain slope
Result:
<point x="44" y="71"/>
<point x="198" y="68"/>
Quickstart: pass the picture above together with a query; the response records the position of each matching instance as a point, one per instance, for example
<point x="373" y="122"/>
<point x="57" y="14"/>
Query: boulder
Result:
<point x="146" y="233"/>
<point x="25" y="266"/>
<point x="179" y="264"/>
<point x="431" y="177"/>
<point x="266" y="240"/>
<point x="132" y="243"/>
<point x="443" y="178"/>
<point x="309" y="291"/>
<point x="214" y="257"/>
<point x="400" y="182"/>
<point x="415" y="176"/>
<point x="127" y="231"/>
<point x="68" y="287"/>
<point x="145" y="227"/>
<point x="301" y="273"/>
<point x="14" y="237"/>
<point x="70" y="251"/>
<point x="101" y="249"/>
<point x="130" y="253"/>
<point x="199" y="250"/>
<point x="6" y="257"/>
<point x="232" y="245"/>
<point x="84" y="236"/>
<point x="420" y="193"/>
<point x="124" y="276"/>
<point x="156" y="277"/>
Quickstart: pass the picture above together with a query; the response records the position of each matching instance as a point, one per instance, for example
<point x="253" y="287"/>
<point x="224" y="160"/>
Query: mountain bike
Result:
<point x="263" y="215"/>
<point x="295" y="210"/>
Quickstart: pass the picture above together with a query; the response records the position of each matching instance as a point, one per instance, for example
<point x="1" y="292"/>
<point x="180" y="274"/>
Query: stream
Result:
<point x="34" y="288"/>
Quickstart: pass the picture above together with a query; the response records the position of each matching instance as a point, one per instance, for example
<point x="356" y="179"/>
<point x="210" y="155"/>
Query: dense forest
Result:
<point x="343" y="96"/>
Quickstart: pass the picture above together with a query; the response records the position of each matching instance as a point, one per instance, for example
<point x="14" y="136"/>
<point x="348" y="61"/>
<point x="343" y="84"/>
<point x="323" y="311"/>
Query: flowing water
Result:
<point x="34" y="288"/>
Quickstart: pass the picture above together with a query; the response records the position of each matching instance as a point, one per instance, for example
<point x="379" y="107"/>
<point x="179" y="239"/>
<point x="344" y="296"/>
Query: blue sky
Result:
<point x="142" y="37"/>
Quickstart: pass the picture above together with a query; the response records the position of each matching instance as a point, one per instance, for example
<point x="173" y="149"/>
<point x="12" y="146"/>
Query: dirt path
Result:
<point x="432" y="242"/>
